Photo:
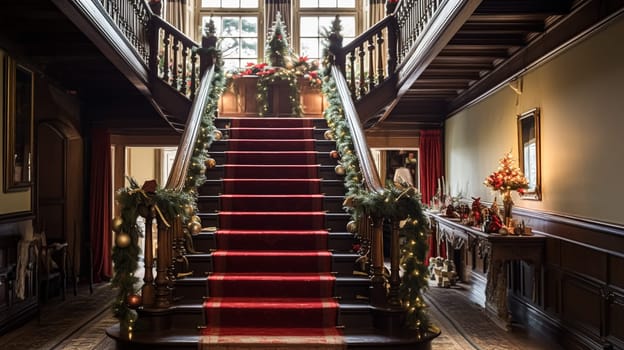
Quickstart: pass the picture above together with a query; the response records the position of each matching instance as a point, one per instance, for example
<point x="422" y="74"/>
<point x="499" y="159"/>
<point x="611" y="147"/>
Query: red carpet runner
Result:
<point x="271" y="286"/>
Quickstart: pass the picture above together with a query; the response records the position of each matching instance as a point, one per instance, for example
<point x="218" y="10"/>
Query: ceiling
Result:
<point x="497" y="42"/>
<point x="43" y="38"/>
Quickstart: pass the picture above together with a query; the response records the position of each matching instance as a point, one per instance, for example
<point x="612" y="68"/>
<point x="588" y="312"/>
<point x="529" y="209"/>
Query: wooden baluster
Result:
<point x="378" y="281"/>
<point x="380" y="64"/>
<point x="193" y="73"/>
<point x="371" y="64"/>
<point x="361" y="54"/>
<point x="395" y="279"/>
<point x="184" y="79"/>
<point x="175" y="77"/>
<point x="166" y="43"/>
<point x="164" y="251"/>
<point x="393" y="42"/>
<point x="148" y="291"/>
<point x="352" y="75"/>
<point x="152" y="34"/>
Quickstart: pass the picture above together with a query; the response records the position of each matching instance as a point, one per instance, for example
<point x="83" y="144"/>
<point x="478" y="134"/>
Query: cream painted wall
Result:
<point x="141" y="163"/>
<point x="581" y="96"/>
<point x="13" y="202"/>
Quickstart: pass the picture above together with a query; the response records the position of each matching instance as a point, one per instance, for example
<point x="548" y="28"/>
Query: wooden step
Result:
<point x="201" y="263"/>
<point x="341" y="242"/>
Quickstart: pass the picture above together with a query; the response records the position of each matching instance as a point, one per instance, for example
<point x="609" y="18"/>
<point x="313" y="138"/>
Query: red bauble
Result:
<point x="334" y="154"/>
<point x="134" y="301"/>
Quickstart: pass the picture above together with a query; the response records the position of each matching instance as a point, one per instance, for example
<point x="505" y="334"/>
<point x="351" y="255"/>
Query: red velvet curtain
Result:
<point x="430" y="150"/>
<point x="100" y="205"/>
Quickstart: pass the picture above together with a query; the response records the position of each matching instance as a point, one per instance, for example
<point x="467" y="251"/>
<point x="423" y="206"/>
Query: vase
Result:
<point x="507" y="205"/>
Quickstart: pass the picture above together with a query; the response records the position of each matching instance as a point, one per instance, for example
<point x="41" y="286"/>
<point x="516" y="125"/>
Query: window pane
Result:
<point x="249" y="48"/>
<point x="347" y="3"/>
<point x="249" y="26"/>
<point x="249" y="3"/>
<point x="211" y="3"/>
<point x="308" y="3"/>
<point x="230" y="3"/>
<point x="309" y="26"/>
<point x="310" y="47"/>
<point x="348" y="25"/>
<point x="231" y="63"/>
<point x="230" y="47"/>
<point x="327" y="3"/>
<point x="230" y="26"/>
<point x="325" y="23"/>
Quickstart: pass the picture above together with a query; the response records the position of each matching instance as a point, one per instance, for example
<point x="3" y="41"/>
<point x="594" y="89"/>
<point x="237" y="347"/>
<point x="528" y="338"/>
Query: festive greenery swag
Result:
<point x="393" y="203"/>
<point x="134" y="201"/>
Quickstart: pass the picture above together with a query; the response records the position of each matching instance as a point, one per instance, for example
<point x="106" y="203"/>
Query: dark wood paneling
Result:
<point x="616" y="273"/>
<point x="583" y="260"/>
<point x="581" y="304"/>
<point x="615" y="319"/>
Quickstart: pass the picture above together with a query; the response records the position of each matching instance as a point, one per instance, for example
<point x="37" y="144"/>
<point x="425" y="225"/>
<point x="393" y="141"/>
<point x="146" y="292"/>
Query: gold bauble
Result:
<point x="188" y="210"/>
<point x="340" y="170"/>
<point x="328" y="135"/>
<point x="352" y="226"/>
<point x="196" y="218"/>
<point x="194" y="227"/>
<point x="116" y="224"/>
<point x="217" y="135"/>
<point x="210" y="163"/>
<point x="122" y="240"/>
<point x="134" y="301"/>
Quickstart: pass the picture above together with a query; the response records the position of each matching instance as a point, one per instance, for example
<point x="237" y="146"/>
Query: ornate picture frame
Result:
<point x="18" y="84"/>
<point x="529" y="159"/>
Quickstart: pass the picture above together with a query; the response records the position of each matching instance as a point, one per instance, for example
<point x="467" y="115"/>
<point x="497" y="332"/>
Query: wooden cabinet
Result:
<point x="14" y="310"/>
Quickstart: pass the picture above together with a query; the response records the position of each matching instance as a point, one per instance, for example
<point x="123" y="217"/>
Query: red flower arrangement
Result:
<point x="507" y="178"/>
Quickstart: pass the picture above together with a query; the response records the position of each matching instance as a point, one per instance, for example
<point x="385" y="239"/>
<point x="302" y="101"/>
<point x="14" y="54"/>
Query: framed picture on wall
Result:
<point x="18" y="126"/>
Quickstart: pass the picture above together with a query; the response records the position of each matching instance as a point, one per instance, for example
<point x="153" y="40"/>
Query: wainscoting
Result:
<point x="578" y="296"/>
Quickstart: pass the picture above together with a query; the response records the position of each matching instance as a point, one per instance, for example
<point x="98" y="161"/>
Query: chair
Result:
<point x="52" y="266"/>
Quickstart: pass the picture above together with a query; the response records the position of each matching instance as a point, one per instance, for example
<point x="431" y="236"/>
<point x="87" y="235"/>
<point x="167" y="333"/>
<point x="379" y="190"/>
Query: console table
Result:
<point x="500" y="249"/>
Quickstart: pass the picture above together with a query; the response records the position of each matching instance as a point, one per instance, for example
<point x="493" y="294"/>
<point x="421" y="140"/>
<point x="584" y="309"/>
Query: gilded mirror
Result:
<point x="529" y="151"/>
<point x="18" y="127"/>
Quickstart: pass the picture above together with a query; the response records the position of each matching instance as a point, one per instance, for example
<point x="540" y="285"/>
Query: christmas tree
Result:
<point x="277" y="52"/>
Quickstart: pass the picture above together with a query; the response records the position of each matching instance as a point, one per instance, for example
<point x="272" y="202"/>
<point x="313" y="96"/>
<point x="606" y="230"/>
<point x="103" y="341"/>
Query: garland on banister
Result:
<point x="395" y="204"/>
<point x="135" y="201"/>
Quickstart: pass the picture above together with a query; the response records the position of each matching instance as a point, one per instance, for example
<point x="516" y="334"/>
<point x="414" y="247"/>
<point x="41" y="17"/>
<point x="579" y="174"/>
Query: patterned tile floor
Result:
<point x="79" y="324"/>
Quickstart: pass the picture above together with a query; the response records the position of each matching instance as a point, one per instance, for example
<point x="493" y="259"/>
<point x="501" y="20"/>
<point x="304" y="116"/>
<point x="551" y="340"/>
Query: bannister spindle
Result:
<point x="352" y="86"/>
<point x="152" y="34"/>
<point x="378" y="281"/>
<point x="166" y="42"/>
<point x="163" y="260"/>
<point x="362" y="81"/>
<point x="148" y="291"/>
<point x="380" y="64"/>
<point x="175" y="79"/>
<point x="184" y="60"/>
<point x="193" y="73"/>
<point x="395" y="279"/>
<point x="393" y="43"/>
<point x="371" y="64"/>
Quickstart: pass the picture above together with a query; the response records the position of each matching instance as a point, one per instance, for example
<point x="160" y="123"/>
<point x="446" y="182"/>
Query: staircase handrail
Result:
<point x="179" y="168"/>
<point x="370" y="176"/>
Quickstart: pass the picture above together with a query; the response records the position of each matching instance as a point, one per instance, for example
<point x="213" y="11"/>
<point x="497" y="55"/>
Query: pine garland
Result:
<point x="262" y="87"/>
<point x="392" y="204"/>
<point x="134" y="201"/>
